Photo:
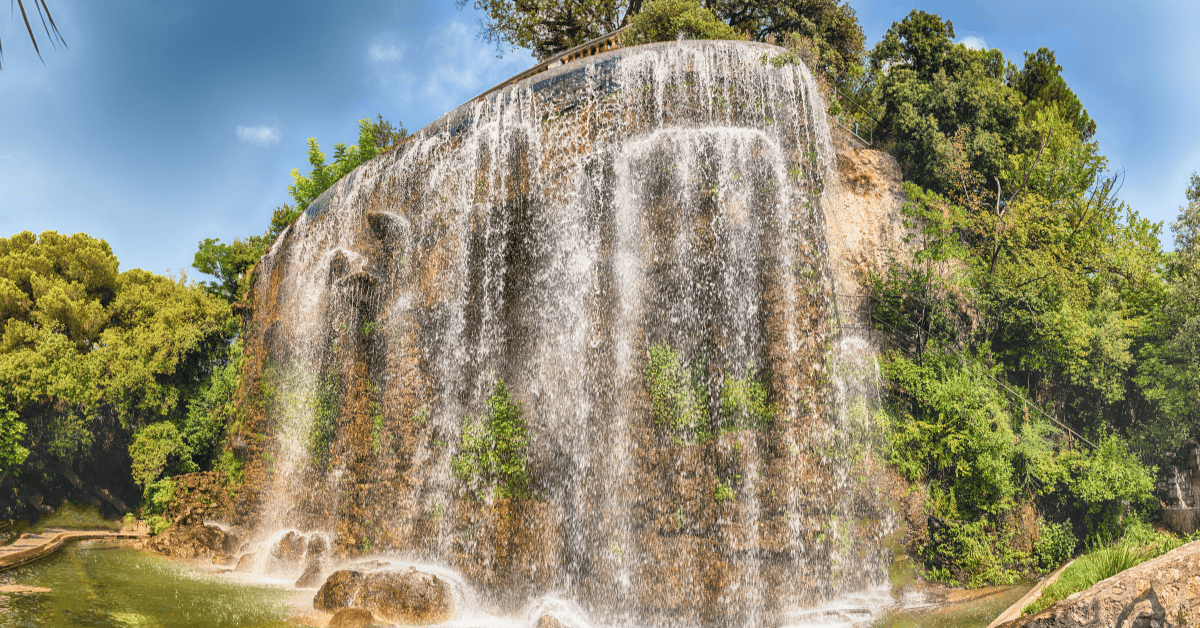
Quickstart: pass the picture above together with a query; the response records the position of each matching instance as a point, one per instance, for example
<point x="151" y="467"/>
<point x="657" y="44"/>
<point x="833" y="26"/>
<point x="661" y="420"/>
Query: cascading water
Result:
<point x="634" y="245"/>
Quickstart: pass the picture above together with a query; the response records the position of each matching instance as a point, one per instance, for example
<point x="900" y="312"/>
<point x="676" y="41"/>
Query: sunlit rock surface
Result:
<point x="548" y="235"/>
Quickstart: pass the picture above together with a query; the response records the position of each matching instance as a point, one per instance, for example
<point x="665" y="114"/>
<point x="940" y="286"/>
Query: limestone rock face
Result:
<point x="862" y="211"/>
<point x="1157" y="593"/>
<point x="191" y="541"/>
<point x="409" y="596"/>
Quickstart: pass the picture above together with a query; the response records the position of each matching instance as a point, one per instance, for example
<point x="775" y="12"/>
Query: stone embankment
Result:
<point x="1163" y="592"/>
<point x="32" y="546"/>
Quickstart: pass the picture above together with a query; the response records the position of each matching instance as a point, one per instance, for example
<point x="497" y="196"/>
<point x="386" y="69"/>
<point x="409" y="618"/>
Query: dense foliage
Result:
<point x="1039" y="336"/>
<point x="89" y="354"/>
<point x="550" y="27"/>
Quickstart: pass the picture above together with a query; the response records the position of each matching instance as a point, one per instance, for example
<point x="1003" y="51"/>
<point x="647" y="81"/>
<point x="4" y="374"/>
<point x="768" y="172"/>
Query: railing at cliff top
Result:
<point x="596" y="46"/>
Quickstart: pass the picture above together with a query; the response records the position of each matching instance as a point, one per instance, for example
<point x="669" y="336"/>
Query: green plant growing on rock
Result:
<point x="723" y="493"/>
<point x="677" y="395"/>
<point x="745" y="403"/>
<point x="1054" y="546"/>
<point x="492" y="450"/>
<point x="324" y="423"/>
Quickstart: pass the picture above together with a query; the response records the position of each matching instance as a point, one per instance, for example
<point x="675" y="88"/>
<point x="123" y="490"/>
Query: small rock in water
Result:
<point x="311" y="576"/>
<point x="245" y="563"/>
<point x="549" y="621"/>
<point x="400" y="596"/>
<point x="224" y="560"/>
<point x="352" y="618"/>
<point x="190" y="541"/>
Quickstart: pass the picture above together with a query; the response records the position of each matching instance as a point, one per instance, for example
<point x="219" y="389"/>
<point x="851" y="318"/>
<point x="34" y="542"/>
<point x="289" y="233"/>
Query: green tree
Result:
<point x="82" y="341"/>
<point x="664" y="20"/>
<point x="373" y="139"/>
<point x="830" y="26"/>
<point x="1169" y="366"/>
<point x="943" y="103"/>
<point x="1042" y="84"/>
<point x="548" y="27"/>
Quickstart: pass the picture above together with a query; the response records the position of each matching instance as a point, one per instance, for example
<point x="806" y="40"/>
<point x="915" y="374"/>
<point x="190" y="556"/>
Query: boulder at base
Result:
<point x="352" y="618"/>
<point x="409" y="596"/>
<point x="194" y="541"/>
<point x="1162" y="592"/>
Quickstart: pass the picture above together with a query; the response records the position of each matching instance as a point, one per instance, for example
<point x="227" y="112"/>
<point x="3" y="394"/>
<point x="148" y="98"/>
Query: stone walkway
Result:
<point x="31" y="546"/>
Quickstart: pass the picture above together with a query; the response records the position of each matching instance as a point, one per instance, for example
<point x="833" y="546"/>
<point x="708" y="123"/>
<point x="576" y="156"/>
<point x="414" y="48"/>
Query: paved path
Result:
<point x="31" y="547"/>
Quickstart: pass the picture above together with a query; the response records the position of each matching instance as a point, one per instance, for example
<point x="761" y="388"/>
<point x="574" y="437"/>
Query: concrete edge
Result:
<point x="1014" y="612"/>
<point x="53" y="543"/>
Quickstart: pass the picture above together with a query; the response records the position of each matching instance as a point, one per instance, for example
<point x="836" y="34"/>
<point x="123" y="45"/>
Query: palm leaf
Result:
<point x="51" y="28"/>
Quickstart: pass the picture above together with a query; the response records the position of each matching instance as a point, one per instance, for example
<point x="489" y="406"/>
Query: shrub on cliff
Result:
<point x="668" y="20"/>
<point x="492" y="448"/>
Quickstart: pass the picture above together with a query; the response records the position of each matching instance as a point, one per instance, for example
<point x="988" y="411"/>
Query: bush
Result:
<point x="1054" y="546"/>
<point x="492" y="448"/>
<point x="744" y="403"/>
<point x="157" y="450"/>
<point x="972" y="554"/>
<point x="668" y="20"/>
<point x="677" y="395"/>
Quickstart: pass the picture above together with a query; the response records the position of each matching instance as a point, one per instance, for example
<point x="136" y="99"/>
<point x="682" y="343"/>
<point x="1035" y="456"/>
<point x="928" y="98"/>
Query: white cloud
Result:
<point x="973" y="42"/>
<point x="385" y="53"/>
<point x="258" y="135"/>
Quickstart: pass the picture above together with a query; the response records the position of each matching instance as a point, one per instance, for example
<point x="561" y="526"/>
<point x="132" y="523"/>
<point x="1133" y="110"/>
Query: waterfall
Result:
<point x="634" y="245"/>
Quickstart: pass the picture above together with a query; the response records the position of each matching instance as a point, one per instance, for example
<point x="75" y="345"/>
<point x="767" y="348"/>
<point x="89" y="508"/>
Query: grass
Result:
<point x="1137" y="546"/>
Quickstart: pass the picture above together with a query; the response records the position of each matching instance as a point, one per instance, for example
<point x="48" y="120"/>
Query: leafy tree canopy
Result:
<point x="82" y="340"/>
<point x="663" y="20"/>
<point x="548" y="27"/>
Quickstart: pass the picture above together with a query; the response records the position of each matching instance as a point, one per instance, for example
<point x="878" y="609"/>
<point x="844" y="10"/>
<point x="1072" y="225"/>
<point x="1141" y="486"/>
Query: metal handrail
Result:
<point x="855" y="130"/>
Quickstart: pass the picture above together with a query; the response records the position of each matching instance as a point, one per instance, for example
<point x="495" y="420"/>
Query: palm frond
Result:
<point x="48" y="25"/>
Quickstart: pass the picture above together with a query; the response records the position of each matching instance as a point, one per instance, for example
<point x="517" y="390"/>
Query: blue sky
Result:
<point x="168" y="122"/>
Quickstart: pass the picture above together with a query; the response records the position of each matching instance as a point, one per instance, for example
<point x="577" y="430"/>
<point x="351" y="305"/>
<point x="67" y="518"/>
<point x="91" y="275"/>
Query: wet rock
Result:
<point x="314" y="562"/>
<point x="245" y="563"/>
<point x="225" y="560"/>
<point x="288" y="551"/>
<point x="352" y="618"/>
<point x="549" y="621"/>
<point x="311" y="576"/>
<point x="1159" y="592"/>
<point x="338" y="590"/>
<point x="194" y="541"/>
<point x="409" y="596"/>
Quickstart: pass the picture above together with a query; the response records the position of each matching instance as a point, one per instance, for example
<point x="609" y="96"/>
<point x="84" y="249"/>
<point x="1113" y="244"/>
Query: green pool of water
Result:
<point x="97" y="585"/>
<point x="967" y="614"/>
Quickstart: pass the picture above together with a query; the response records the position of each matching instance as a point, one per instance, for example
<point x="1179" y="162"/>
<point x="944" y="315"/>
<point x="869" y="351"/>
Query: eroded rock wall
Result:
<point x="549" y="235"/>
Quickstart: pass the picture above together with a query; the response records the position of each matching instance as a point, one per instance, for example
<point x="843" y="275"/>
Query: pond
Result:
<point x="99" y="585"/>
